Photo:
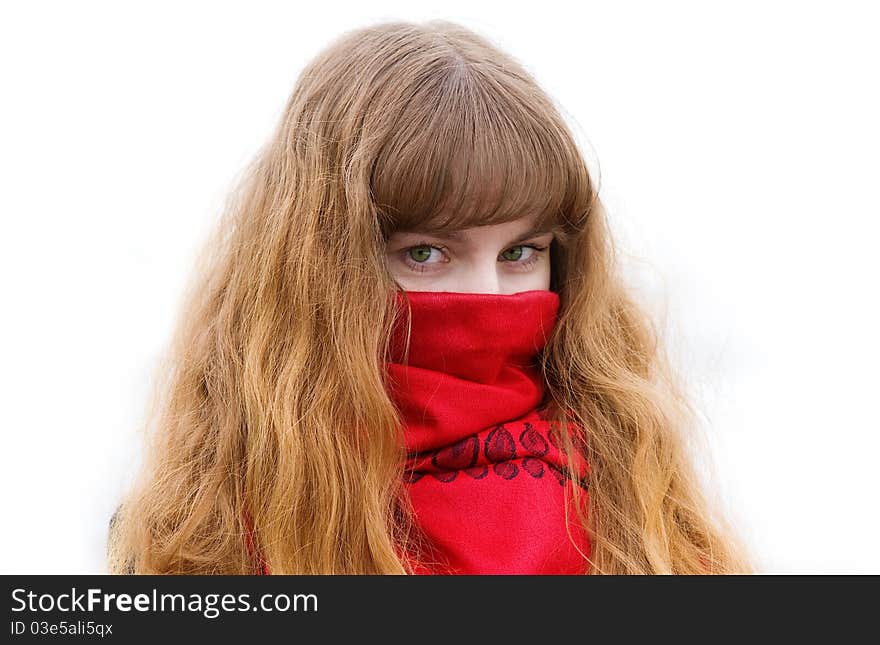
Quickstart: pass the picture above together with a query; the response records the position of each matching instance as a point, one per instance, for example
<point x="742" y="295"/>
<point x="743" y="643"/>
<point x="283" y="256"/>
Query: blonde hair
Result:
<point x="270" y="411"/>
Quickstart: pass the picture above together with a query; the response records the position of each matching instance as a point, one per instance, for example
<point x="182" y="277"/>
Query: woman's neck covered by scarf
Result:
<point x="484" y="473"/>
<point x="488" y="483"/>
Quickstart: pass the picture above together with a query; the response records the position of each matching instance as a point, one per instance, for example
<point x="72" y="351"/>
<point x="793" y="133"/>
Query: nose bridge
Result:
<point x="483" y="276"/>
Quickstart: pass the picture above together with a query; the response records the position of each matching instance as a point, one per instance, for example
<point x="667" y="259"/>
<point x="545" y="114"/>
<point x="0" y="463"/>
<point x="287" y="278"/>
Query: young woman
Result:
<point x="408" y="350"/>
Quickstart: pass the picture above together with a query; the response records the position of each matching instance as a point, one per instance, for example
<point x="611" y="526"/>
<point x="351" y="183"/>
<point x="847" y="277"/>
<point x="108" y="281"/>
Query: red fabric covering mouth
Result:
<point x="484" y="473"/>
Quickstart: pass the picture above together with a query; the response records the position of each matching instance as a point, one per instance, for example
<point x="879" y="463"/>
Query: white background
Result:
<point x="737" y="145"/>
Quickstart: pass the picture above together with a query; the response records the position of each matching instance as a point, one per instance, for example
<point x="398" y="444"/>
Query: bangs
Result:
<point x="470" y="150"/>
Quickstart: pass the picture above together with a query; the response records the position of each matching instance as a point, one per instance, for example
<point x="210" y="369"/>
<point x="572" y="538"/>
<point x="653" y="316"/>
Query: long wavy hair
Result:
<point x="271" y="437"/>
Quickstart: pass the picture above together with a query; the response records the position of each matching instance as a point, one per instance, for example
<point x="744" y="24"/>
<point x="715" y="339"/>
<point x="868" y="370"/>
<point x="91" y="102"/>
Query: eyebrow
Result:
<point x="456" y="236"/>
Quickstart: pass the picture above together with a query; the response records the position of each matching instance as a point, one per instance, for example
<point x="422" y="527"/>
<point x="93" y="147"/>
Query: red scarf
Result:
<point x="484" y="473"/>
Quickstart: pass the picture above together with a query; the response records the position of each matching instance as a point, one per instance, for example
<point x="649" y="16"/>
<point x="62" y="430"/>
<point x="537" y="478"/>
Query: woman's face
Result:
<point x="499" y="258"/>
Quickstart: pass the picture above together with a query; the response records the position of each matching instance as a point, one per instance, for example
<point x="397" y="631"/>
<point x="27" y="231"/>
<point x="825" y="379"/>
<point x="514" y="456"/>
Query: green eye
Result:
<point x="420" y="253"/>
<point x="517" y="253"/>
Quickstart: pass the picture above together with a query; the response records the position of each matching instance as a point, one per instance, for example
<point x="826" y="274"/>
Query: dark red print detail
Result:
<point x="533" y="466"/>
<point x="533" y="441"/>
<point x="500" y="445"/>
<point x="500" y="450"/>
<point x="460" y="455"/>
